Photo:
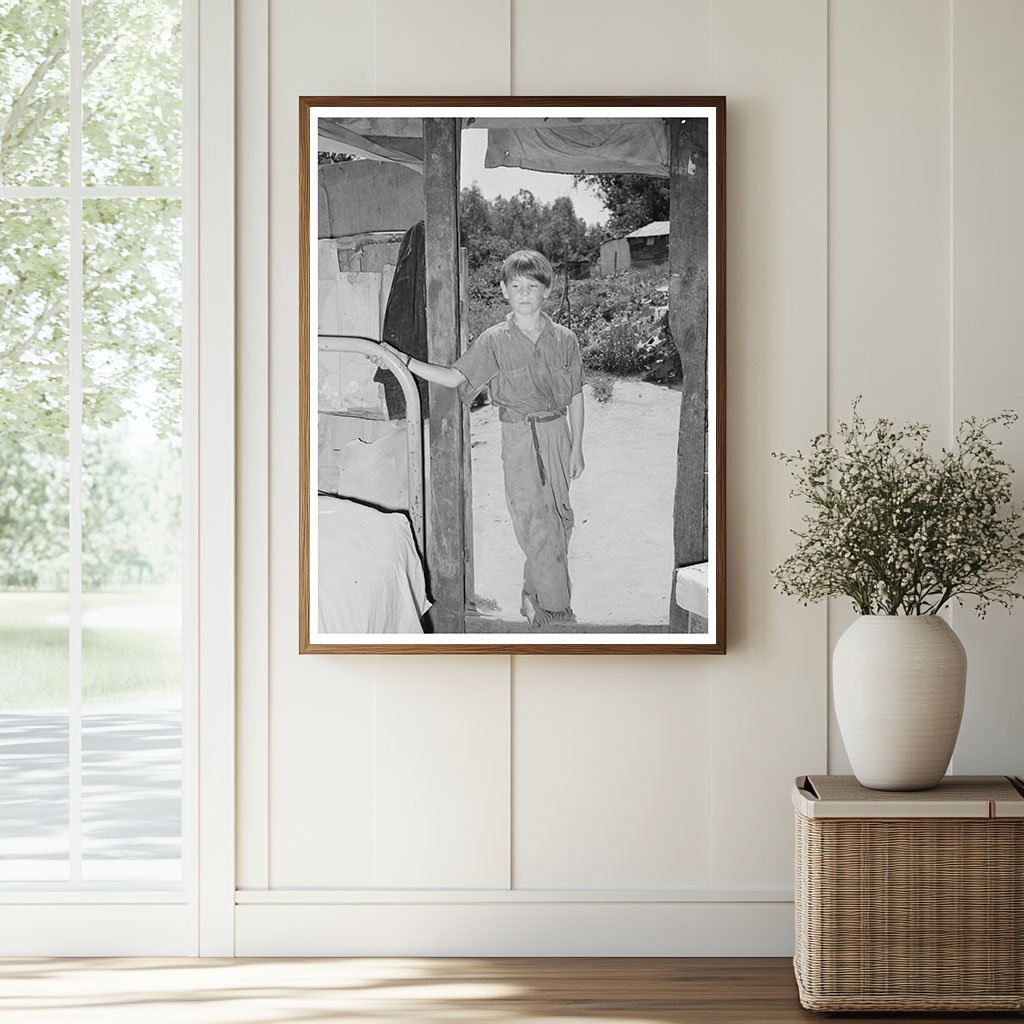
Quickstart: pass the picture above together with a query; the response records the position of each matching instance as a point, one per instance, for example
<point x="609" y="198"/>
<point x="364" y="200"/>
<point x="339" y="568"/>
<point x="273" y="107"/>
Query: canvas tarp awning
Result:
<point x="599" y="145"/>
<point x="591" y="149"/>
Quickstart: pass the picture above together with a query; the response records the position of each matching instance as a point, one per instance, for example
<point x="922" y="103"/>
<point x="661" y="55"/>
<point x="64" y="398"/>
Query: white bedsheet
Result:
<point x="370" y="575"/>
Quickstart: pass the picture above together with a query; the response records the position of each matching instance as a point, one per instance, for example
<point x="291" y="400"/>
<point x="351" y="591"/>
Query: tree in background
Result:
<point x="632" y="199"/>
<point x="33" y="93"/>
<point x="131" y="92"/>
<point x="33" y="514"/>
<point x="494" y="228"/>
<point x="491" y="229"/>
<point x="131" y="365"/>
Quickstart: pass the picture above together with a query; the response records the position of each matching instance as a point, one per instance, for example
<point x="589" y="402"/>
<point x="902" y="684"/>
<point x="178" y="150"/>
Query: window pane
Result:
<point x="33" y="92"/>
<point x="131" y="541"/>
<point x="33" y="540"/>
<point x="131" y="747"/>
<point x="131" y="92"/>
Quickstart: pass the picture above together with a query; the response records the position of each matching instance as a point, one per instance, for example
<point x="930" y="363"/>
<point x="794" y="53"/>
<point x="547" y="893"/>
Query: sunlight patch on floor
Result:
<point x="222" y="991"/>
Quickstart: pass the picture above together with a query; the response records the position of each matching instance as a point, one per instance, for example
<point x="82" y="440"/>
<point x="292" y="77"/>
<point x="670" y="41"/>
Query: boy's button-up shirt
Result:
<point x="525" y="377"/>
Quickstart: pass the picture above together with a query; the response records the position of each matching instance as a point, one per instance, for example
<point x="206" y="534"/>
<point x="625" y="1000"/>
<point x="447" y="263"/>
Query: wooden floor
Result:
<point x="382" y="991"/>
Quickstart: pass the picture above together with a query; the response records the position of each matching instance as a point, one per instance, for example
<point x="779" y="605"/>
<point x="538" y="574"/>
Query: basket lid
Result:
<point x="957" y="796"/>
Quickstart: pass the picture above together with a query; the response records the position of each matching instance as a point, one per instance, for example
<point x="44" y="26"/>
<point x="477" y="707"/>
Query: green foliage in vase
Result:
<point x="899" y="529"/>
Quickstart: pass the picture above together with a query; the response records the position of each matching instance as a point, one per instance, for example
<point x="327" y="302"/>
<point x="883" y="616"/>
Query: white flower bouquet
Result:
<point x="900" y="530"/>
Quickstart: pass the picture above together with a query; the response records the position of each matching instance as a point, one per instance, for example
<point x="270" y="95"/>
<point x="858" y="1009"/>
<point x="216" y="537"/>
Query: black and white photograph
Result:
<point x="512" y="375"/>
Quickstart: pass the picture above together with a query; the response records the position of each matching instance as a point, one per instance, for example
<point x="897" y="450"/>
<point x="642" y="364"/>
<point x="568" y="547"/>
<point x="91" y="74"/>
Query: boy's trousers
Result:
<point x="535" y="457"/>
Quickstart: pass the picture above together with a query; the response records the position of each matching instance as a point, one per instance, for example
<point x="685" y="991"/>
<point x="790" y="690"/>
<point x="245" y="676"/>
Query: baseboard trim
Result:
<point x="348" y="897"/>
<point x="515" y="928"/>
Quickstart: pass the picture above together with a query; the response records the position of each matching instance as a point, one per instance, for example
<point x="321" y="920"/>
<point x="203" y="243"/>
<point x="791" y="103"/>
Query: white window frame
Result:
<point x="75" y="918"/>
<point x="216" y="394"/>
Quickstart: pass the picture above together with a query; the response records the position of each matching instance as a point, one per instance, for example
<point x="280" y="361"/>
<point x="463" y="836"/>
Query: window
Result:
<point x="96" y="465"/>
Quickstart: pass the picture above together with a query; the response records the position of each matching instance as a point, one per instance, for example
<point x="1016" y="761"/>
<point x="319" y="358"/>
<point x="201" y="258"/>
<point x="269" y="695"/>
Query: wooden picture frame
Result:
<point x="349" y="529"/>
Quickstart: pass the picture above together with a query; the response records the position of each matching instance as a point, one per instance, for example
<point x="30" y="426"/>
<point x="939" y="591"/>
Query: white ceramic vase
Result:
<point x="898" y="684"/>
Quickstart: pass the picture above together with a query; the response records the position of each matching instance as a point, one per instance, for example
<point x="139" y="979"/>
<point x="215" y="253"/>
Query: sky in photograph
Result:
<point x="507" y="181"/>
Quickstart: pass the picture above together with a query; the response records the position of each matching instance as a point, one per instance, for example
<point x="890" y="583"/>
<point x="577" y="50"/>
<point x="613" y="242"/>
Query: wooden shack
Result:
<point x="614" y="256"/>
<point x="646" y="247"/>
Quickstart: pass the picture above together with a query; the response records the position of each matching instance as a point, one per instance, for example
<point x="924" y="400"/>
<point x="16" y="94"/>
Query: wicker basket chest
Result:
<point x="910" y="901"/>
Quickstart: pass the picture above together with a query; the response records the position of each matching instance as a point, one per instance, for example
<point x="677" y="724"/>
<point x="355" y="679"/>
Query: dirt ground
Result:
<point x="620" y="557"/>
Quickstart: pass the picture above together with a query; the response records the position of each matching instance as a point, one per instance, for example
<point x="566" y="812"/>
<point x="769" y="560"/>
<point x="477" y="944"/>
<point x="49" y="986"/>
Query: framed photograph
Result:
<point x="512" y="374"/>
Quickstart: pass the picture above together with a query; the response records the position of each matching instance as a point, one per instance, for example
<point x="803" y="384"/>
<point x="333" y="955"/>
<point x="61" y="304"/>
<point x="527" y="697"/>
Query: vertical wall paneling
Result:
<point x="888" y="223"/>
<point x="442" y="774"/>
<point x="889" y="202"/>
<point x="442" y="48"/>
<point x="871" y="248"/>
<point x="253" y="463"/>
<point x="578" y="47"/>
<point x="987" y="361"/>
<point x="769" y="692"/>
<point x="323" y="813"/>
<point x="320" y="708"/>
<point x="611" y="775"/>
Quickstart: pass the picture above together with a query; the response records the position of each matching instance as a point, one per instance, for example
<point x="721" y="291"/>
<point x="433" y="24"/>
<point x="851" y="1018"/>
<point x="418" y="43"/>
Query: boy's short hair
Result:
<point x="528" y="263"/>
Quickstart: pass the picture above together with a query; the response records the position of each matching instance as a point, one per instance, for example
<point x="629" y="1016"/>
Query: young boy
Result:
<point x="533" y="368"/>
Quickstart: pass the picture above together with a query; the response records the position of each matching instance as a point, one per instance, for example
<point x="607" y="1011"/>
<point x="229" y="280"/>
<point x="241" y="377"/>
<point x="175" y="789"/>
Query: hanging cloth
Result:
<point x="636" y="148"/>
<point x="405" y="318"/>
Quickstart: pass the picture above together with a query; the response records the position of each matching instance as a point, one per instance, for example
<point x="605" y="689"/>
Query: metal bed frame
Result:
<point x="413" y="424"/>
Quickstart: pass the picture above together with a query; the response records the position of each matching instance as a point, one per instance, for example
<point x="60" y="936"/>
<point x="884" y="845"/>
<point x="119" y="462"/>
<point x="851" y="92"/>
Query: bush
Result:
<point x="617" y="350"/>
<point x="622" y="325"/>
<point x="602" y="386"/>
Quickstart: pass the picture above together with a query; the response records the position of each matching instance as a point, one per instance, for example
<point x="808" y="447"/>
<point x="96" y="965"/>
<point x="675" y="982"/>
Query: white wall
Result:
<point x="618" y="805"/>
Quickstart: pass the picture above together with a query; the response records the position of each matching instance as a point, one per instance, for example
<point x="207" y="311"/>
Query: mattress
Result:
<point x="370" y="576"/>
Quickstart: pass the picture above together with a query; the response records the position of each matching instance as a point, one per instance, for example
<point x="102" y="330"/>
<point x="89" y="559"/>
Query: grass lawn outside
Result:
<point x="131" y="647"/>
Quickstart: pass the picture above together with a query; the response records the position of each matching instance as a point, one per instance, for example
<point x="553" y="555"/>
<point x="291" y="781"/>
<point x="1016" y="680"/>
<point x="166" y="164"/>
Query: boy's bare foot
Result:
<point x="545" y="618"/>
<point x="538" y="616"/>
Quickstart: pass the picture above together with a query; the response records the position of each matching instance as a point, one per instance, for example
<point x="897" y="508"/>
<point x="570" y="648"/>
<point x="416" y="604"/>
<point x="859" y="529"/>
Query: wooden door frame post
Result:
<point x="467" y="443"/>
<point x="446" y="537"/>
<point x="688" y="322"/>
